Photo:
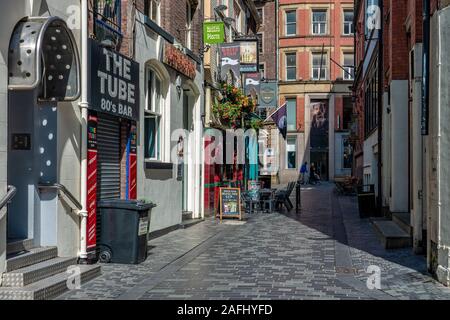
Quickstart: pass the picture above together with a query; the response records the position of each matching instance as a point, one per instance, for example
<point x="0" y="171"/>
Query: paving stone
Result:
<point x="272" y="256"/>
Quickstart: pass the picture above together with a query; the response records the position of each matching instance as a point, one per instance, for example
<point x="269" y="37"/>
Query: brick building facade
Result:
<point x="315" y="76"/>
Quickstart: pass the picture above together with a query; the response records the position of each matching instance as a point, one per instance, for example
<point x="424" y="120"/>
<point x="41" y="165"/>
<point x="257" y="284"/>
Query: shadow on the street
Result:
<point x="316" y="203"/>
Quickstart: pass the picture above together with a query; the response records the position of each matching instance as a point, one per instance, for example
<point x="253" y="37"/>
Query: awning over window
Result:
<point x="43" y="54"/>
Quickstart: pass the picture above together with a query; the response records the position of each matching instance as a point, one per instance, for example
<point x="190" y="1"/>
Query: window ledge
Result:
<point x="149" y="164"/>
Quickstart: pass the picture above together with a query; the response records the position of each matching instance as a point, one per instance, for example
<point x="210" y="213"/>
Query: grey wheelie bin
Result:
<point x="123" y="233"/>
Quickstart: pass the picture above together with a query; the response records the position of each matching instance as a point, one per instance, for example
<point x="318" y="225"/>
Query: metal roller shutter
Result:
<point x="108" y="144"/>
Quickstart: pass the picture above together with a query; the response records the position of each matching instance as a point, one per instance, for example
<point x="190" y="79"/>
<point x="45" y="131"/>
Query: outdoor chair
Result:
<point x="250" y="204"/>
<point x="282" y="197"/>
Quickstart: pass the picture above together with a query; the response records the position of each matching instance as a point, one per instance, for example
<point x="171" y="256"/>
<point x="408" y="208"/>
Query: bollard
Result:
<point x="298" y="198"/>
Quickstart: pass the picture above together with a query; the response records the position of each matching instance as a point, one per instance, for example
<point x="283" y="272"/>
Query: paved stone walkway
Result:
<point x="321" y="254"/>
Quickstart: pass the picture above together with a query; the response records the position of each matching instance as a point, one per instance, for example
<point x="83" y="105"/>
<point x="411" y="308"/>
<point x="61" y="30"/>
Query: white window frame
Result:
<point x="261" y="15"/>
<point x="263" y="73"/>
<point x="287" y="152"/>
<point x="347" y="24"/>
<point x="151" y="7"/>
<point x="154" y="111"/>
<point x="189" y="19"/>
<point x="348" y="69"/>
<point x="316" y="71"/>
<point x="321" y="25"/>
<point x="290" y="23"/>
<point x="237" y="17"/>
<point x="287" y="67"/>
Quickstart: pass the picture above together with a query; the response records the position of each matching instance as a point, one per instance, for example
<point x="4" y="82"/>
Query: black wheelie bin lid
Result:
<point x="137" y="205"/>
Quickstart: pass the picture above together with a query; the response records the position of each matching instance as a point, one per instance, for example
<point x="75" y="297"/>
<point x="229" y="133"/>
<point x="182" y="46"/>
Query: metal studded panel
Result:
<point x="33" y="256"/>
<point x="48" y="288"/>
<point x="43" y="53"/>
<point x="31" y="274"/>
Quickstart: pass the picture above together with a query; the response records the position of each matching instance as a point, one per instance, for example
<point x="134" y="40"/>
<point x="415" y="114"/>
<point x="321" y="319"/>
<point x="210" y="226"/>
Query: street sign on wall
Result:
<point x="113" y="83"/>
<point x="213" y="32"/>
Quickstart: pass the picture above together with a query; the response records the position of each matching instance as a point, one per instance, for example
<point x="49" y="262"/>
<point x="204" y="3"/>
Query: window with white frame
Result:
<point x="291" y="23"/>
<point x="152" y="10"/>
<point x="189" y="15"/>
<point x="348" y="23"/>
<point x="262" y="70"/>
<point x="319" y="22"/>
<point x="291" y="152"/>
<point x="349" y="68"/>
<point x="291" y="66"/>
<point x="237" y="17"/>
<point x="261" y="15"/>
<point x="153" y="117"/>
<point x="319" y="66"/>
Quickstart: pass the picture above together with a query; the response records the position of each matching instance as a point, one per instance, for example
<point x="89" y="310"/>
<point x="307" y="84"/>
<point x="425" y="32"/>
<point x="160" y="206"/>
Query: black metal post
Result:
<point x="298" y="198"/>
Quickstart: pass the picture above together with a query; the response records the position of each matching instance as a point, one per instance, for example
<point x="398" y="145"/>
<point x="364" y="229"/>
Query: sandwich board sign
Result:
<point x="230" y="203"/>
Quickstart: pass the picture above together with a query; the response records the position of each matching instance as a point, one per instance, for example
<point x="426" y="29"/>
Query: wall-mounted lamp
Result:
<point x="228" y="20"/>
<point x="220" y="9"/>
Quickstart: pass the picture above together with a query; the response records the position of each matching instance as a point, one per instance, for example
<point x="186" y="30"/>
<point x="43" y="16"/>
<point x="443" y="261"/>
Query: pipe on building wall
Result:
<point x="84" y="119"/>
<point x="425" y="67"/>
<point x="380" y="105"/>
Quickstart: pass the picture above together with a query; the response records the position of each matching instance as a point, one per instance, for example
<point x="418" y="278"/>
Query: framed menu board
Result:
<point x="230" y="203"/>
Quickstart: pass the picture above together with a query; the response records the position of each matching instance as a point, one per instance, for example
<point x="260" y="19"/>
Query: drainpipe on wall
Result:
<point x="84" y="119"/>
<point x="380" y="106"/>
<point x="425" y="67"/>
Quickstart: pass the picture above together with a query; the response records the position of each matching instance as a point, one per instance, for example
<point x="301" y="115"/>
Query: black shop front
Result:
<point x="112" y="132"/>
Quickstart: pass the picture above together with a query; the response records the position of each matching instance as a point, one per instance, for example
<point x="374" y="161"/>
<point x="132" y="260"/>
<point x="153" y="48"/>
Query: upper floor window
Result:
<point x="262" y="70"/>
<point x="319" y="66"/>
<point x="189" y="18"/>
<point x="291" y="23"/>
<point x="152" y="10"/>
<point x="260" y="43"/>
<point x="348" y="23"/>
<point x="291" y="105"/>
<point x="319" y="22"/>
<point x="107" y="20"/>
<point x="349" y="68"/>
<point x="291" y="66"/>
<point x="261" y="15"/>
<point x="238" y="17"/>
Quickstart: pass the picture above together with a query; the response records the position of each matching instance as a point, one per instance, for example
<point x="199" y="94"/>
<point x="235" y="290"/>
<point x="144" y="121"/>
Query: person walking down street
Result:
<point x="304" y="173"/>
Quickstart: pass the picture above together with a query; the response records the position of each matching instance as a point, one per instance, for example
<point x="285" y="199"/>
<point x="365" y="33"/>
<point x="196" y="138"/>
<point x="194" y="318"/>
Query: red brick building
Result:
<point x="315" y="77"/>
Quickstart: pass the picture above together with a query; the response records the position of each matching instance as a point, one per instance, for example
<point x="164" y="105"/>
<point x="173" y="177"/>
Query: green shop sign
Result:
<point x="213" y="32"/>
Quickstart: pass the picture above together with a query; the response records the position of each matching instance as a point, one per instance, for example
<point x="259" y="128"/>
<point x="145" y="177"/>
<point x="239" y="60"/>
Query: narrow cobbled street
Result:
<point x="323" y="253"/>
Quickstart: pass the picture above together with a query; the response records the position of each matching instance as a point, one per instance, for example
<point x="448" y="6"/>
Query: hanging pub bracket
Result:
<point x="43" y="55"/>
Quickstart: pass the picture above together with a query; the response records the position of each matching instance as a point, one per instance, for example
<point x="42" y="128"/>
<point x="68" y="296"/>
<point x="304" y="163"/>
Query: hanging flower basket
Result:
<point x="233" y="108"/>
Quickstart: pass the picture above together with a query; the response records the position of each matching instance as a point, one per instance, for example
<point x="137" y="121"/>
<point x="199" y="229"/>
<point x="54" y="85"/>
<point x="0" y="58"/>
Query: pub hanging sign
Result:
<point x="113" y="83"/>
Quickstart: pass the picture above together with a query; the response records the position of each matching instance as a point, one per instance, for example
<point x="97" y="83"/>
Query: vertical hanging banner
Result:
<point x="252" y="85"/>
<point x="230" y="56"/>
<point x="132" y="163"/>
<point x="92" y="181"/>
<point x="249" y="58"/>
